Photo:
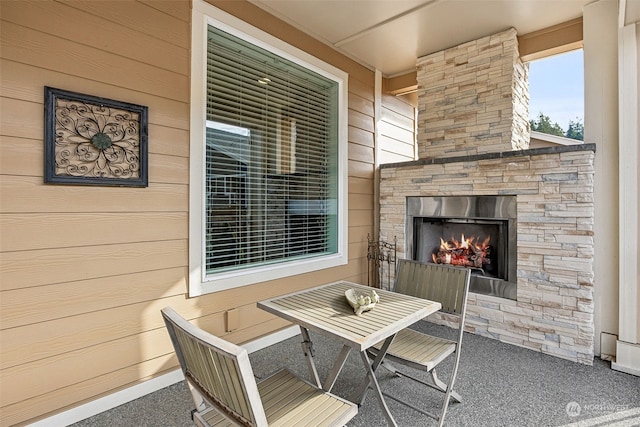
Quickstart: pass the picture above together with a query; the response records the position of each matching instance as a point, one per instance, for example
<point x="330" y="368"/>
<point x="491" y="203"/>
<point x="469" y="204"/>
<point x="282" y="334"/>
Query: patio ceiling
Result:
<point x="389" y="35"/>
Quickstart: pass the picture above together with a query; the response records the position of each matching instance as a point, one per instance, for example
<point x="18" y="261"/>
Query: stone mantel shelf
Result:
<point x="489" y="156"/>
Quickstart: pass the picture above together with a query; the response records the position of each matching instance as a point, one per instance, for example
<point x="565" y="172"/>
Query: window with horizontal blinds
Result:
<point x="271" y="158"/>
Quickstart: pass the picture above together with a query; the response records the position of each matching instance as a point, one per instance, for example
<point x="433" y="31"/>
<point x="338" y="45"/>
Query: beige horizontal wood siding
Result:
<point x="397" y="129"/>
<point x="85" y="270"/>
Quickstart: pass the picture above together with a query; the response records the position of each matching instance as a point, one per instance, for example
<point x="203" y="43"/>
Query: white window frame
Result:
<point x="204" y="14"/>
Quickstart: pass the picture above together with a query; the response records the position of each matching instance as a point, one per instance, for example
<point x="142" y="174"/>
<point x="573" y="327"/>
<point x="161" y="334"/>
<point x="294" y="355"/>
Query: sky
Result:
<point x="556" y="88"/>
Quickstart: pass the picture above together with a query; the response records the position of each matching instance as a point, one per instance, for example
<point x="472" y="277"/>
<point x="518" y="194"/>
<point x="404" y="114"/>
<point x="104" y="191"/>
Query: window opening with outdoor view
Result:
<point x="556" y="86"/>
<point x="272" y="172"/>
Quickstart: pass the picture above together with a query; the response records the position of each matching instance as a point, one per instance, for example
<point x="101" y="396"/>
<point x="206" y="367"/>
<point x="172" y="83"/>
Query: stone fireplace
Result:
<point x="536" y="290"/>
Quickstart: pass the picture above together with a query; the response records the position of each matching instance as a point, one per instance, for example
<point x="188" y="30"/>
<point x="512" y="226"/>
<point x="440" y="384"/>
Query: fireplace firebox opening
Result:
<point x="478" y="232"/>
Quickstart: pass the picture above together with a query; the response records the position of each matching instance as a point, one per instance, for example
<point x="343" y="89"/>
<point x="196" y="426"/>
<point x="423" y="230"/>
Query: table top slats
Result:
<point x="325" y="309"/>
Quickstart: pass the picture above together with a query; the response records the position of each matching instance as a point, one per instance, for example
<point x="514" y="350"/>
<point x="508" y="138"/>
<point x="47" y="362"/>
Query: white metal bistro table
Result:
<point x="324" y="309"/>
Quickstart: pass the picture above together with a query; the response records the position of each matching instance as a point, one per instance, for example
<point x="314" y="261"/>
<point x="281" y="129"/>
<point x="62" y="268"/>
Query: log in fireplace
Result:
<point x="478" y="232"/>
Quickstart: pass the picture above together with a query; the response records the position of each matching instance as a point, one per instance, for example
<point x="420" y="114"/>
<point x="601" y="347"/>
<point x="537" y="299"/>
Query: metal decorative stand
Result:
<point x="381" y="258"/>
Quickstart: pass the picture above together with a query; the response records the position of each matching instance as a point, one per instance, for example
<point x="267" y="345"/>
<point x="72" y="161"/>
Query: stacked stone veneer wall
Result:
<point x="473" y="98"/>
<point x="554" y="309"/>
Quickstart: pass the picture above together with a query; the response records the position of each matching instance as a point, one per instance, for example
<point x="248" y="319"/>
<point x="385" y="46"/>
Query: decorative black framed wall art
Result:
<point x="91" y="140"/>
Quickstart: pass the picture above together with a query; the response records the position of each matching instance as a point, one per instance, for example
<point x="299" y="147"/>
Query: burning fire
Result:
<point x="467" y="252"/>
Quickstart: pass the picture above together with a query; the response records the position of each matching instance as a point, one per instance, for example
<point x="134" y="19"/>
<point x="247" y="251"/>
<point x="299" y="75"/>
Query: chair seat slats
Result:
<point x="290" y="401"/>
<point x="422" y="351"/>
<point x="212" y="418"/>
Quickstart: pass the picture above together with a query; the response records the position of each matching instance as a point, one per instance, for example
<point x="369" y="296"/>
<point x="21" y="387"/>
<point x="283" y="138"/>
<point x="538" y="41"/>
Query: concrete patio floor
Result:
<point x="501" y="385"/>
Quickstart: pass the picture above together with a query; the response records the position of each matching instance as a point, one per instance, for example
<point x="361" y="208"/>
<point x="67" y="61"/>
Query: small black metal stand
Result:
<point x="381" y="258"/>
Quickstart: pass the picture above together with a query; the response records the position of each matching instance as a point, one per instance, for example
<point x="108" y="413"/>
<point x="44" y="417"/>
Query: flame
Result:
<point x="464" y="243"/>
<point x="446" y="246"/>
<point x="467" y="244"/>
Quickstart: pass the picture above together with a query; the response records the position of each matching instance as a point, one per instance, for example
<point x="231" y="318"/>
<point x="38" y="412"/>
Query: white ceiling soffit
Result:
<point x="389" y="35"/>
<point x="631" y="11"/>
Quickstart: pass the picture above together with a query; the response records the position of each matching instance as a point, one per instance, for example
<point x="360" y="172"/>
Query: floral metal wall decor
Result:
<point x="94" y="141"/>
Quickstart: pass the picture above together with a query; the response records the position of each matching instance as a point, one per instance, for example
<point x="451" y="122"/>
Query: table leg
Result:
<point x="336" y="368"/>
<point x="362" y="393"/>
<point x="307" y="348"/>
<point x="372" y="380"/>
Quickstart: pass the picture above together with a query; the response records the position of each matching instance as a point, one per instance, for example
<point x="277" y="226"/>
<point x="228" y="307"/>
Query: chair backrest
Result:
<point x="219" y="370"/>
<point x="446" y="284"/>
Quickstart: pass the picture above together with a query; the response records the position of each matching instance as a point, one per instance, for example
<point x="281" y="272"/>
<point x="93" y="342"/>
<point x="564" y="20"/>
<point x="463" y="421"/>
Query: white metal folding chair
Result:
<point x="225" y="391"/>
<point x="449" y="286"/>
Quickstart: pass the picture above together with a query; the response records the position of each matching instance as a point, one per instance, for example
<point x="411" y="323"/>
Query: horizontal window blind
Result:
<point x="271" y="158"/>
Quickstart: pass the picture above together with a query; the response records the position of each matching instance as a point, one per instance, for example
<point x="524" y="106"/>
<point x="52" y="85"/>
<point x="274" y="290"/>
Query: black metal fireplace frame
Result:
<point x="486" y="207"/>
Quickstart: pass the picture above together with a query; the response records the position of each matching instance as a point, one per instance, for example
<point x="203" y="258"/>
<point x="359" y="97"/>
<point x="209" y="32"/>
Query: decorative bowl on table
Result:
<point x="361" y="301"/>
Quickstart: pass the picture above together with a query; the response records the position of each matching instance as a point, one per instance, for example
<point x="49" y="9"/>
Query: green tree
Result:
<point x="575" y="130"/>
<point x="544" y="125"/>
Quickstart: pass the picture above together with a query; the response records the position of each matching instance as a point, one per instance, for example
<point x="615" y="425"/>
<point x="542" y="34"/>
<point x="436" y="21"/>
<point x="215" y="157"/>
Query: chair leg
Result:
<point x="443" y="386"/>
<point x="389" y="367"/>
<point x="197" y="398"/>
<point x="445" y="405"/>
<point x="438" y="384"/>
<point x="452" y="381"/>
